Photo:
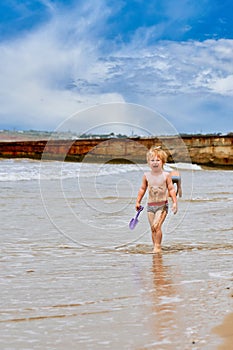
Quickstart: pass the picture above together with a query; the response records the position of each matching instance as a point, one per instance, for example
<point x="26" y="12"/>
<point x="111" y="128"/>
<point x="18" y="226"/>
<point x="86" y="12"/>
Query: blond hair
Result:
<point x="156" y="151"/>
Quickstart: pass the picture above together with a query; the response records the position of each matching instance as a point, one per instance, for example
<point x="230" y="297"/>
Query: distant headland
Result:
<point x="213" y="150"/>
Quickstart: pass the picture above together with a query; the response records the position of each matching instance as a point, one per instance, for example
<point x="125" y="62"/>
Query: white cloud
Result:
<point x="66" y="65"/>
<point x="38" y="69"/>
<point x="224" y="85"/>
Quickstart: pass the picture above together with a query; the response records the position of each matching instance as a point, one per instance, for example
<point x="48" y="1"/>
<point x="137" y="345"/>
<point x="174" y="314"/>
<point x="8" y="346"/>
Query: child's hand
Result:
<point x="138" y="205"/>
<point x="174" y="208"/>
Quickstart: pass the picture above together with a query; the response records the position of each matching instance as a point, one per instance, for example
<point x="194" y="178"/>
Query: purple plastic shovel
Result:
<point x="134" y="221"/>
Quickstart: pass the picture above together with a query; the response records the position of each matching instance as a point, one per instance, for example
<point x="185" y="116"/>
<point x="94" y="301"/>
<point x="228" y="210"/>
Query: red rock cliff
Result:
<point x="204" y="150"/>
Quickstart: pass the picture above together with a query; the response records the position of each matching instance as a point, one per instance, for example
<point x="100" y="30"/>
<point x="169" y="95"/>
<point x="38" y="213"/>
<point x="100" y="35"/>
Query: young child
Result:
<point x="160" y="187"/>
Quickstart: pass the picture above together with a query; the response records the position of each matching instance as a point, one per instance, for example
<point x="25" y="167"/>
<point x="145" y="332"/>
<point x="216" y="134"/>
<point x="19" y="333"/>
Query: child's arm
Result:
<point x="141" y="192"/>
<point x="172" y="193"/>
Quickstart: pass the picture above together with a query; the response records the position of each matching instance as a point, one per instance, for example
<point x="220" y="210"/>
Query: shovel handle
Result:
<point x="139" y="211"/>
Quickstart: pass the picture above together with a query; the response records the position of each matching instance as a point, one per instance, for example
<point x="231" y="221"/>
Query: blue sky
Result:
<point x="171" y="56"/>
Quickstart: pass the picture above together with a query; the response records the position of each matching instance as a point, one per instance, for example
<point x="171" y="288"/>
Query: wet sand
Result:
<point x="225" y="331"/>
<point x="74" y="276"/>
<point x="62" y="296"/>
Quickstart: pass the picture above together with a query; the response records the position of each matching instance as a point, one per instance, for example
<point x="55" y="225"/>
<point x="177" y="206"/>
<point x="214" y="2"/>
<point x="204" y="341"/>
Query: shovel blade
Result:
<point x="133" y="223"/>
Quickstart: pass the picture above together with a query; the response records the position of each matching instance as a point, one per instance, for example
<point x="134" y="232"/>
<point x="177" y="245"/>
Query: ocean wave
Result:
<point x="185" y="166"/>
<point x="27" y="170"/>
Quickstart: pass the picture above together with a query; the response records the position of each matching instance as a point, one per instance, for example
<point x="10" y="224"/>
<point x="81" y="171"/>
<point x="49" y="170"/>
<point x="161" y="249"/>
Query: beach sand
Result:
<point x="225" y="331"/>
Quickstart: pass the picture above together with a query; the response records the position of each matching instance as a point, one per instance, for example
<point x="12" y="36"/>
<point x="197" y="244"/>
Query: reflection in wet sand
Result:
<point x="163" y="300"/>
<point x="164" y="308"/>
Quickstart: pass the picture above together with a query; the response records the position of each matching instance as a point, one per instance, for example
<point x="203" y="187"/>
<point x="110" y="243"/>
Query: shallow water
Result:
<point x="73" y="275"/>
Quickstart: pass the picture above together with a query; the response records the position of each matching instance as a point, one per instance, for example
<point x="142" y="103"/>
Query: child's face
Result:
<point x="155" y="163"/>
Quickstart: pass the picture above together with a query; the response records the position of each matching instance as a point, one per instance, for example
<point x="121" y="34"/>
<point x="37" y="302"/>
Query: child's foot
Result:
<point x="157" y="249"/>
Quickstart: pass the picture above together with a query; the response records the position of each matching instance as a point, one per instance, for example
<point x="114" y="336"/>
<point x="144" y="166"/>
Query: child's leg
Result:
<point x="156" y="220"/>
<point x="151" y="217"/>
<point x="179" y="188"/>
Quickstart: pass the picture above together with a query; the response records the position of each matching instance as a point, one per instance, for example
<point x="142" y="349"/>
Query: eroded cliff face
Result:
<point x="203" y="150"/>
<point x="211" y="150"/>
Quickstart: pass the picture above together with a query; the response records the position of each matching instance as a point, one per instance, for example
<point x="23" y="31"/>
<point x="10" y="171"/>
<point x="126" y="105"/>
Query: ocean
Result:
<point x="74" y="276"/>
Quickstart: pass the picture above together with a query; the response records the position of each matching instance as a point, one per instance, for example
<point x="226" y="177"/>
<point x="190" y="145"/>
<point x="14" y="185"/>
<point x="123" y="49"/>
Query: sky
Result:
<point x="60" y="58"/>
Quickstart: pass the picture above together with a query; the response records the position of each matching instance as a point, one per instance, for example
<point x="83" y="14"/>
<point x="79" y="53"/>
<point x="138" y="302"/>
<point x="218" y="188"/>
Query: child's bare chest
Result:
<point x="156" y="180"/>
